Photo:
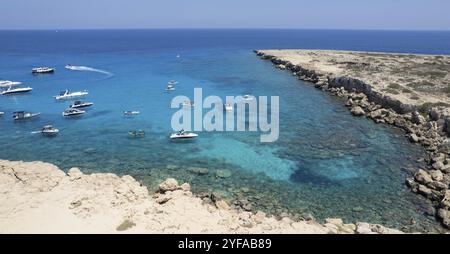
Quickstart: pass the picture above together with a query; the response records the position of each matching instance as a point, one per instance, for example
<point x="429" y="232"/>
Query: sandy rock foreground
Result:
<point x="37" y="197"/>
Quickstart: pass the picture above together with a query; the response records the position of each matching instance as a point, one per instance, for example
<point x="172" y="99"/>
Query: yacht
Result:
<point x="64" y="95"/>
<point x="131" y="113"/>
<point x="42" y="70"/>
<point x="49" y="130"/>
<point x="81" y="104"/>
<point x="73" y="112"/>
<point x="183" y="135"/>
<point x="22" y="115"/>
<point x="170" y="88"/>
<point x="228" y="107"/>
<point x="12" y="90"/>
<point x="8" y="83"/>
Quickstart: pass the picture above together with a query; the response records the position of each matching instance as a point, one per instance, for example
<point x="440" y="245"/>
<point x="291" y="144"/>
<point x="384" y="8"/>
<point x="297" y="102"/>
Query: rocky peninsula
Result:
<point x="38" y="197"/>
<point x="411" y="92"/>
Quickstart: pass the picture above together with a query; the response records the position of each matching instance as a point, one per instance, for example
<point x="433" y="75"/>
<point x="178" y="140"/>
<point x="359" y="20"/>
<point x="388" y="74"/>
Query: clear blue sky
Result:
<point x="341" y="14"/>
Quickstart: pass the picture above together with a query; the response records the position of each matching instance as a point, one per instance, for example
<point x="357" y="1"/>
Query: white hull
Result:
<point x="71" y="96"/>
<point x="17" y="90"/>
<point x="183" y="136"/>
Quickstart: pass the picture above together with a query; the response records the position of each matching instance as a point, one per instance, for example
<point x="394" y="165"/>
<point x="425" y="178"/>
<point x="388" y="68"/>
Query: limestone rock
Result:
<point x="423" y="177"/>
<point x="222" y="205"/>
<point x="413" y="138"/>
<point x="437" y="175"/>
<point x="185" y="187"/>
<point x="357" y="111"/>
<point x="74" y="174"/>
<point x="169" y="184"/>
<point x="444" y="215"/>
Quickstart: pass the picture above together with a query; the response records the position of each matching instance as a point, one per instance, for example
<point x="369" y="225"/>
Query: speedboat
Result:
<point x="8" y="83"/>
<point x="173" y="82"/>
<point x="12" y="90"/>
<point x="248" y="97"/>
<point x="49" y="130"/>
<point x="69" y="67"/>
<point x="64" y="95"/>
<point x="81" y="104"/>
<point x="228" y="107"/>
<point x="73" y="112"/>
<point x="183" y="135"/>
<point x="2" y="113"/>
<point x="42" y="70"/>
<point x="137" y="133"/>
<point x="22" y="115"/>
<point x="170" y="88"/>
<point x="131" y="113"/>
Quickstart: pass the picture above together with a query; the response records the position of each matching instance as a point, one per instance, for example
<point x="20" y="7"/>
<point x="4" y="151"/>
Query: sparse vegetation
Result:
<point x="125" y="225"/>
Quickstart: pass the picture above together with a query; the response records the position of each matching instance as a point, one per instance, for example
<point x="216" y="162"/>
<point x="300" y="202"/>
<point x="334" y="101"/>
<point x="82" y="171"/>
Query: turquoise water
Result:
<point x="326" y="162"/>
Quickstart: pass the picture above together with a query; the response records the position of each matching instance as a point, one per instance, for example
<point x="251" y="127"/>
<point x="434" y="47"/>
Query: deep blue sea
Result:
<point x="326" y="162"/>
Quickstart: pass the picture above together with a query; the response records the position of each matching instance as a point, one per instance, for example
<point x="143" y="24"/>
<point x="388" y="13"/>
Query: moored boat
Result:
<point x="183" y="135"/>
<point x="228" y="107"/>
<point x="12" y="90"/>
<point x="137" y="133"/>
<point x="81" y="104"/>
<point x="49" y="130"/>
<point x="64" y="95"/>
<point x="73" y="112"/>
<point x="22" y="115"/>
<point x="42" y="70"/>
<point x="170" y="88"/>
<point x="131" y="113"/>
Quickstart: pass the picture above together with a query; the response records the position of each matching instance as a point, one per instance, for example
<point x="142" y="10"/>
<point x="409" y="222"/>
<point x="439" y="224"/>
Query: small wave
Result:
<point x="86" y="68"/>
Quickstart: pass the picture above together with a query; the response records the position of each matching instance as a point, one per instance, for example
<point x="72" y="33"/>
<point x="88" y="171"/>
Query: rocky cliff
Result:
<point x="38" y="197"/>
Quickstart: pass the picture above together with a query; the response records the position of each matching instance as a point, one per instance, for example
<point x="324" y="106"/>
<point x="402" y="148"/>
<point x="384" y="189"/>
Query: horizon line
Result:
<point x="229" y="28"/>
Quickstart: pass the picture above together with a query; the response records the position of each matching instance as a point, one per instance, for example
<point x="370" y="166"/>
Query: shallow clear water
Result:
<point x="326" y="162"/>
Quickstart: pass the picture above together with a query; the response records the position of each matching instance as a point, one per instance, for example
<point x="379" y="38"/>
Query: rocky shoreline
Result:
<point x="38" y="197"/>
<point x="427" y="124"/>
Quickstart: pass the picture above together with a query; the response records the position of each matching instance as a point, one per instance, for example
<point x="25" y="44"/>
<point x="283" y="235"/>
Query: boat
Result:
<point x="183" y="135"/>
<point x="2" y="113"/>
<point x="70" y="67"/>
<point x="12" y="90"/>
<point x="42" y="70"/>
<point x="137" y="134"/>
<point x="64" y="95"/>
<point x="228" y="107"/>
<point x="131" y="113"/>
<point x="170" y="88"/>
<point x="188" y="103"/>
<point x="81" y="104"/>
<point x="49" y="130"/>
<point x="73" y="112"/>
<point x="8" y="83"/>
<point x="22" y="115"/>
<point x="173" y="82"/>
<point x="248" y="97"/>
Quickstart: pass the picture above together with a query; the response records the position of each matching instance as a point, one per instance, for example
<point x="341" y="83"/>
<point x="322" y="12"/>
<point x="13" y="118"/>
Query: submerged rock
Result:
<point x="224" y="173"/>
<point x="199" y="171"/>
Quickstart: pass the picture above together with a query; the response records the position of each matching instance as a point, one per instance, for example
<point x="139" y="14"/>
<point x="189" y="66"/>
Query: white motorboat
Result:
<point x="248" y="97"/>
<point x="42" y="70"/>
<point x="22" y="115"/>
<point x="81" y="104"/>
<point x="12" y="90"/>
<point x="131" y="113"/>
<point x="2" y="113"/>
<point x="64" y="95"/>
<point x="183" y="135"/>
<point x="228" y="107"/>
<point x="170" y="88"/>
<point x="49" y="130"/>
<point x="8" y="83"/>
<point x="173" y="82"/>
<point x="73" y="112"/>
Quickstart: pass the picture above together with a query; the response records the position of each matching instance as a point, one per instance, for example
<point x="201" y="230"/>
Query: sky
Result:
<point x="317" y="14"/>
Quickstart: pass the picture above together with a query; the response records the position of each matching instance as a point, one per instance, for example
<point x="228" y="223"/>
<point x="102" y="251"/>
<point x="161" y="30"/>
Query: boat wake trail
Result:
<point x="86" y="68"/>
